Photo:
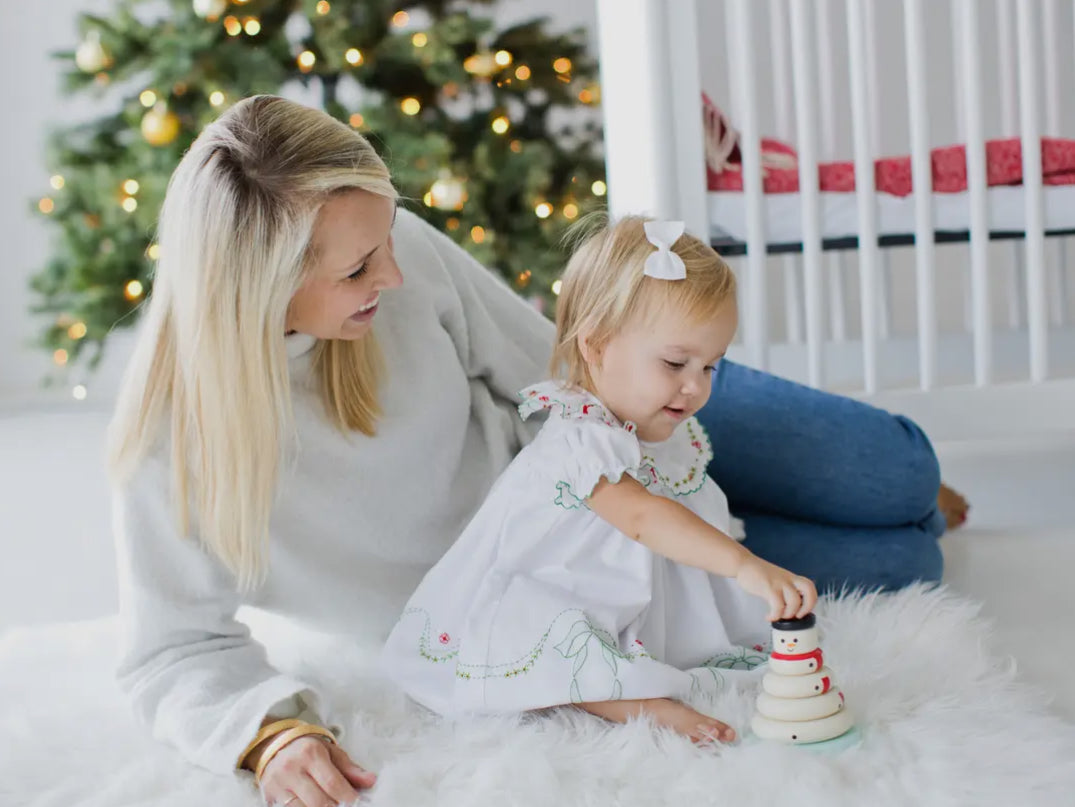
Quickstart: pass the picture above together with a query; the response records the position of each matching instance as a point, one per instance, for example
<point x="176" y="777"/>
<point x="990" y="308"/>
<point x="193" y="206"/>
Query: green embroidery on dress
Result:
<point x="742" y="658"/>
<point x="698" y="688"/>
<point x="695" y="477"/>
<point x="511" y="669"/>
<point x="576" y="645"/>
<point x="424" y="644"/>
<point x="569" y="500"/>
<point x="566" y="498"/>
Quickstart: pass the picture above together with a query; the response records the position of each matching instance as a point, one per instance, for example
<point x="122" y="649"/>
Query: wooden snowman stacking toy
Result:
<point x="799" y="702"/>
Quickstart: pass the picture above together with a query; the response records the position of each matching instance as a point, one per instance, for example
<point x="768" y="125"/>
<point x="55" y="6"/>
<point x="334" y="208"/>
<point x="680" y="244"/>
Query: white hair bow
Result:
<point x="664" y="264"/>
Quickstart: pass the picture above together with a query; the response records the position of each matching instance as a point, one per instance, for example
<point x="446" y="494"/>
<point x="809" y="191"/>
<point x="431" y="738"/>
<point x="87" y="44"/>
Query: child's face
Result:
<point x="657" y="374"/>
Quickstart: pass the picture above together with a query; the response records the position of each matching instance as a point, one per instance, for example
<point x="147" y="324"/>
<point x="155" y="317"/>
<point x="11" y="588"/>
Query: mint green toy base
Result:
<point x="846" y="740"/>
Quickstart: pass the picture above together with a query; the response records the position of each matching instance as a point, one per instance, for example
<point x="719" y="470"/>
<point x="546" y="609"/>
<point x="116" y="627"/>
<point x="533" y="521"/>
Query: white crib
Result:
<point x="1009" y="365"/>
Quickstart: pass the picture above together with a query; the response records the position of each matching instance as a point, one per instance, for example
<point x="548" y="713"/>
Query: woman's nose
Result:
<point x="391" y="277"/>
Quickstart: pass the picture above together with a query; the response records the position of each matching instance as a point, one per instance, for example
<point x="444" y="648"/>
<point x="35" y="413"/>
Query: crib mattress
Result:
<point x="895" y="214"/>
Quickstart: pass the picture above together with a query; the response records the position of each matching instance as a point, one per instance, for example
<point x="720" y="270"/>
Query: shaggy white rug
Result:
<point x="943" y="722"/>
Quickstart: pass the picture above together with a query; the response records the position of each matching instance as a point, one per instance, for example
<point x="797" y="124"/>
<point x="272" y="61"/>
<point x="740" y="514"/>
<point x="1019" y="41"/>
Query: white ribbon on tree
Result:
<point x="664" y="264"/>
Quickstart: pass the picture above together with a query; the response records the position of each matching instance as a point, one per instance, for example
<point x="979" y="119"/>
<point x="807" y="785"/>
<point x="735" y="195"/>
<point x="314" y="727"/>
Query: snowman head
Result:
<point x="795" y="636"/>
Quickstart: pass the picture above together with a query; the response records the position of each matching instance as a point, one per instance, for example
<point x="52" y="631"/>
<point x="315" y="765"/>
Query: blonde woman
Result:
<point x="321" y="396"/>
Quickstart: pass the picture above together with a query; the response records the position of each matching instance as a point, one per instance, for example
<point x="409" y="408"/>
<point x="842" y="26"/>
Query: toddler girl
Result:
<point x="600" y="570"/>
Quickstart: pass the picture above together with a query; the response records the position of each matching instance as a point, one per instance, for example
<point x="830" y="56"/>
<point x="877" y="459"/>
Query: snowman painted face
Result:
<point x="795" y="642"/>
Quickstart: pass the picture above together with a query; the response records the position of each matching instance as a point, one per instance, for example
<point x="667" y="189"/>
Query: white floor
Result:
<point x="1016" y="554"/>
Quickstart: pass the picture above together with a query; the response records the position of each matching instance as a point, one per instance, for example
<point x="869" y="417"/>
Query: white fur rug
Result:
<point x="943" y="723"/>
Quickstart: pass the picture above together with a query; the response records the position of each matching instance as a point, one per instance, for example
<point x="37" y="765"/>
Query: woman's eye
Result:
<point x="675" y="365"/>
<point x="355" y="275"/>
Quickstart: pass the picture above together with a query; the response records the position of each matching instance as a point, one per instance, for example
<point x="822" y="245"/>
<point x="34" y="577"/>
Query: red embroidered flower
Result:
<point x="544" y="399"/>
<point x="444" y="638"/>
<point x="758" y="647"/>
<point x="697" y="445"/>
<point x="586" y="408"/>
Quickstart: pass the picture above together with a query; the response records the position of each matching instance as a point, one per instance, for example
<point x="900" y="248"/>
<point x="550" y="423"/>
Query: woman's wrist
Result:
<point x="271" y="729"/>
<point x="283" y="739"/>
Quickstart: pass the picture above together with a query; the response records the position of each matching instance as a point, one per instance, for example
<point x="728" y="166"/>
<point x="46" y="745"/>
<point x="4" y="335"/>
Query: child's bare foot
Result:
<point x="953" y="506"/>
<point x="668" y="713"/>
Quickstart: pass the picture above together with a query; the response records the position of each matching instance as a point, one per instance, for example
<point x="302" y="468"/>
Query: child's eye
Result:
<point x="355" y="275"/>
<point x="675" y="365"/>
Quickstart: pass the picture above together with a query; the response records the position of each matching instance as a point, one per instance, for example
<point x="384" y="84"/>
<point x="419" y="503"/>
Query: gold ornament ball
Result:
<point x="481" y="64"/>
<point x="448" y="193"/>
<point x="91" y="56"/>
<point x="160" y="126"/>
<point x="210" y="9"/>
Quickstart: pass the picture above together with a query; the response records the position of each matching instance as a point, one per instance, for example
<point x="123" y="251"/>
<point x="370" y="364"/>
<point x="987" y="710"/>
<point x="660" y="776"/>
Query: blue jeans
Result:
<point x="830" y="488"/>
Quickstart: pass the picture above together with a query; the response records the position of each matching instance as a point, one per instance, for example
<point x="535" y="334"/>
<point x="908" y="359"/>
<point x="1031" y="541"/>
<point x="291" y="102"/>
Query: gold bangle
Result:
<point x="266" y="731"/>
<point x="287" y="737"/>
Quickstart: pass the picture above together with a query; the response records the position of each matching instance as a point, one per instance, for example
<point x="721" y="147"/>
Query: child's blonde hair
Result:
<point x="604" y="288"/>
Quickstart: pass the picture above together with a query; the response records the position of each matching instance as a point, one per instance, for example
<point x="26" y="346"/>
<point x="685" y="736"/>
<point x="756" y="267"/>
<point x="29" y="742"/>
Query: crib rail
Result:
<point x="793" y="63"/>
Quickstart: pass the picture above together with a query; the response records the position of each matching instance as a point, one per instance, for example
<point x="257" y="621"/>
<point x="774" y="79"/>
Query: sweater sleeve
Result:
<point x="502" y="340"/>
<point x="191" y="670"/>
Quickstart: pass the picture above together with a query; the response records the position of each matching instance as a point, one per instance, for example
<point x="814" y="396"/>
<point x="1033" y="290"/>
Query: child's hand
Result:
<point x="789" y="595"/>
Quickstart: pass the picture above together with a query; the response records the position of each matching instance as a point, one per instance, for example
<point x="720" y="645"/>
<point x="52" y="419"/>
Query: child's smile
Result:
<point x="658" y="372"/>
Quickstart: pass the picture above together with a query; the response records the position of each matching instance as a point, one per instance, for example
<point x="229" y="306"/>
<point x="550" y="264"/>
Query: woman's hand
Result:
<point x="313" y="773"/>
<point x="789" y="595"/>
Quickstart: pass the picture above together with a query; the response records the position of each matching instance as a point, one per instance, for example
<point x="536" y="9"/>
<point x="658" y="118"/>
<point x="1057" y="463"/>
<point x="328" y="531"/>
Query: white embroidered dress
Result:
<point x="540" y="602"/>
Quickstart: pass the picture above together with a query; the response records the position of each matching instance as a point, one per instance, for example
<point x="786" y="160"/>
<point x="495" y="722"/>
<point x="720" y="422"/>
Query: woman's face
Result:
<point x="352" y="243"/>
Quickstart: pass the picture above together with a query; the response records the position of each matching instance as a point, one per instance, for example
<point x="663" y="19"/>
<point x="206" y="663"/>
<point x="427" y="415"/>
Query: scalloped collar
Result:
<point x="677" y="464"/>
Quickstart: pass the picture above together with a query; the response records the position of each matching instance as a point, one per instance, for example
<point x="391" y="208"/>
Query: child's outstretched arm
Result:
<point x="671" y="530"/>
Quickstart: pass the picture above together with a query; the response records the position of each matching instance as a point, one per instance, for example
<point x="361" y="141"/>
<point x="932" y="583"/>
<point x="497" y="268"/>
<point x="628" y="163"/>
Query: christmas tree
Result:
<point x="491" y="135"/>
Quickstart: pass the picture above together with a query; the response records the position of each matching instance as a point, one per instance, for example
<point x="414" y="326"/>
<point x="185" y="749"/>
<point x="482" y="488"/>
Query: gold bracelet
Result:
<point x="266" y="731"/>
<point x="287" y="737"/>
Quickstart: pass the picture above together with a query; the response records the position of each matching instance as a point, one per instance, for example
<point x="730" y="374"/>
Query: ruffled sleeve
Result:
<point x="588" y="442"/>
<point x="594" y="451"/>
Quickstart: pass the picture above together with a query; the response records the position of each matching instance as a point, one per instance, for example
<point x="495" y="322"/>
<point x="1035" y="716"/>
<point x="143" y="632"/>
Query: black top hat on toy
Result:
<point x="806" y="622"/>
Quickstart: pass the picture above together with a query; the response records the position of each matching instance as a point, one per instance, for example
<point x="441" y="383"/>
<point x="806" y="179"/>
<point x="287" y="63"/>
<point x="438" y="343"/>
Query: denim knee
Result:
<point x="921" y="472"/>
<point x="917" y="559"/>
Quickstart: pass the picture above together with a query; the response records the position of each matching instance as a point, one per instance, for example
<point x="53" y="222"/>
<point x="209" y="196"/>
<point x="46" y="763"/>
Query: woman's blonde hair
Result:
<point x="603" y="288"/>
<point x="210" y="368"/>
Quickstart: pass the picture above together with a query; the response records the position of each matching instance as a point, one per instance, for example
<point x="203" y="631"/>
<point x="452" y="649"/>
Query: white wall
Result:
<point x="29" y="96"/>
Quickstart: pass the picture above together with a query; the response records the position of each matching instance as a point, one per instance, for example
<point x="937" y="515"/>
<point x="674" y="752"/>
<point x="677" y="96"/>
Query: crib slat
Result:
<point x="958" y="73"/>
<point x="872" y="41"/>
<point x="1006" y="72"/>
<point x="870" y="37"/>
<point x="921" y="178"/>
<point x="806" y="136"/>
<point x="778" y="54"/>
<point x="793" y="295"/>
<point x="1035" y="217"/>
<point x="756" y="325"/>
<point x="826" y="80"/>
<point x="1050" y="23"/>
<point x="687" y="135"/>
<point x="865" y="191"/>
<point x="971" y="89"/>
<point x="779" y="48"/>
